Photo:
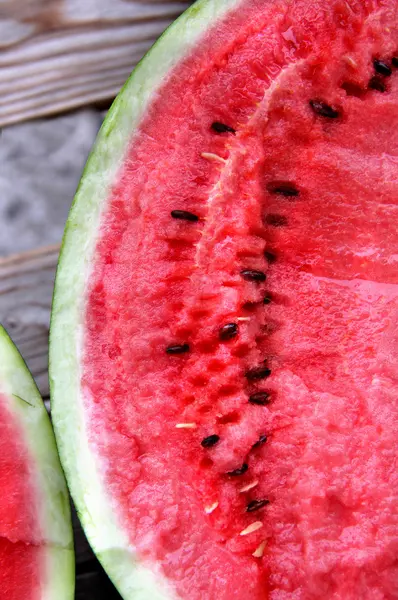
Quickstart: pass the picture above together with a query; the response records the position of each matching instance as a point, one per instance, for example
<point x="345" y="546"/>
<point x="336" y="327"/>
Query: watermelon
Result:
<point x="36" y="545"/>
<point x="224" y="342"/>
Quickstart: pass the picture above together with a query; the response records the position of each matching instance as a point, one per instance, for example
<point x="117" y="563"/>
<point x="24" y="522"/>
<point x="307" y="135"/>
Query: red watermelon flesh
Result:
<point x="280" y="133"/>
<point x="21" y="561"/>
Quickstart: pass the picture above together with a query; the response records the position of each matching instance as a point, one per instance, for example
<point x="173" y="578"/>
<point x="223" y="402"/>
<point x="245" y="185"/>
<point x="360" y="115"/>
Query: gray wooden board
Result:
<point x="40" y="165"/>
<point x="59" y="54"/>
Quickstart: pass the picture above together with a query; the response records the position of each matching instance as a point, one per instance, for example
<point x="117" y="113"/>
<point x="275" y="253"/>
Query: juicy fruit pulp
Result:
<point x="21" y="561"/>
<point x="239" y="370"/>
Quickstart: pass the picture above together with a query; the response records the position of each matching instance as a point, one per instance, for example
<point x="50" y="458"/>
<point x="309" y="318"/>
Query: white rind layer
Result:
<point x="135" y="581"/>
<point x="25" y="406"/>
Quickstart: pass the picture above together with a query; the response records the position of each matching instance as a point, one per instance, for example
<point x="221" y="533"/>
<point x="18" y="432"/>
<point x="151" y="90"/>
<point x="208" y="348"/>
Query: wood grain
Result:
<point x="59" y="54"/>
<point x="26" y="285"/>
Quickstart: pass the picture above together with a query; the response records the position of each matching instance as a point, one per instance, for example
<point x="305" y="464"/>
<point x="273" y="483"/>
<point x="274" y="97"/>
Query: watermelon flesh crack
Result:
<point x="311" y="200"/>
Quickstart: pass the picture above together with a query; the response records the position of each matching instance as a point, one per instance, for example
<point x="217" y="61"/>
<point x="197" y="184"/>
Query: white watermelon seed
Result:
<point x="186" y="426"/>
<point x="350" y="61"/>
<point x="211" y="156"/>
<point x="249" y="486"/>
<point x="252" y="528"/>
<point x="259" y="551"/>
<point x="211" y="508"/>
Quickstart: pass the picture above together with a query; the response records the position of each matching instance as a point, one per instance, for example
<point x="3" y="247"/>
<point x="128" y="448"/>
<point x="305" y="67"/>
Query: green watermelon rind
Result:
<point x="25" y="405"/>
<point x="133" y="579"/>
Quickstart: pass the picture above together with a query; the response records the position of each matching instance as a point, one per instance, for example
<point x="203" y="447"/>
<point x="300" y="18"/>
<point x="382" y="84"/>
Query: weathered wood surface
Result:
<point x="59" y="54"/>
<point x="26" y="285"/>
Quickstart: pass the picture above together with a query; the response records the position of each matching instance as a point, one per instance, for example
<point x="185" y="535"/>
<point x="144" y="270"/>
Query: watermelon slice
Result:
<point x="224" y="340"/>
<point x="36" y="545"/>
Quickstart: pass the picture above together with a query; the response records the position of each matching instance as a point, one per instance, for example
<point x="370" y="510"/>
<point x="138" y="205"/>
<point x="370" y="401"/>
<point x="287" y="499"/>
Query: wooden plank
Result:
<point x="59" y="54"/>
<point x="26" y="286"/>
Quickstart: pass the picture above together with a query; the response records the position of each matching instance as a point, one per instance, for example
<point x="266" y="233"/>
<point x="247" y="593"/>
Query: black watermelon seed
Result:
<point x="395" y="61"/>
<point x="222" y="128"/>
<point x="228" y="331"/>
<point x="184" y="215"/>
<point x="177" y="349"/>
<point x="261" y="440"/>
<point x="323" y="109"/>
<point x="283" y="188"/>
<point x="270" y="256"/>
<point x="260" y="398"/>
<point x="267" y="299"/>
<point x="377" y="84"/>
<point x="239" y="471"/>
<point x="252" y="275"/>
<point x="382" y="68"/>
<point x="276" y="220"/>
<point x="260" y="372"/>
<point x="210" y="441"/>
<point x="256" y="505"/>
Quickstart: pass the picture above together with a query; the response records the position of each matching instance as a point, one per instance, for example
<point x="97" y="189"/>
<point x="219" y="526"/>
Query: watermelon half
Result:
<point x="36" y="545"/>
<point x="224" y="332"/>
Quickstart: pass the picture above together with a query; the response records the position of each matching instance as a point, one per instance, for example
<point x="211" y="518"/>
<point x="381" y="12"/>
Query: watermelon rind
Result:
<point x="25" y="405"/>
<point x="106" y="535"/>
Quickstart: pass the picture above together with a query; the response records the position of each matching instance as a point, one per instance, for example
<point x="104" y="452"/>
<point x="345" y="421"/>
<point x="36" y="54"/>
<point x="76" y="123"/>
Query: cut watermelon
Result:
<point x="224" y="341"/>
<point x="36" y="546"/>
